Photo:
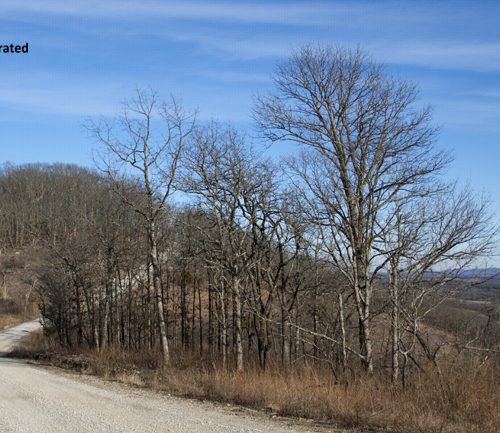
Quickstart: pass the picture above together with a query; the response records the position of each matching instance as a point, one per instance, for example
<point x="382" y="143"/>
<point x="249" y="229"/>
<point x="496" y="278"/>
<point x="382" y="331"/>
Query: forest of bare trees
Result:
<point x="186" y="239"/>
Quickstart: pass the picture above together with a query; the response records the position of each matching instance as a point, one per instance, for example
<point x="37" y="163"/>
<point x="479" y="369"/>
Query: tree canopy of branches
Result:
<point x="370" y="152"/>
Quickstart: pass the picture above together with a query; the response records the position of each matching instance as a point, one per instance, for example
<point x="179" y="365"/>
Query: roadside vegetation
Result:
<point x="459" y="394"/>
<point x="18" y="297"/>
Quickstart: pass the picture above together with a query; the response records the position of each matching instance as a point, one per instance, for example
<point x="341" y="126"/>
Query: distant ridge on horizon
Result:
<point x="492" y="272"/>
<point x="486" y="273"/>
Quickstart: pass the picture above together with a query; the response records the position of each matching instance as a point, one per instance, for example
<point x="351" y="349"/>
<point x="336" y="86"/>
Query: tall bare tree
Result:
<point x="369" y="144"/>
<point x="216" y="170"/>
<point x="146" y="141"/>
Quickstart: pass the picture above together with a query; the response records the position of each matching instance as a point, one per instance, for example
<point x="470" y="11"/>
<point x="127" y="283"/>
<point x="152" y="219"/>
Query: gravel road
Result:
<point x="12" y="336"/>
<point x="38" y="400"/>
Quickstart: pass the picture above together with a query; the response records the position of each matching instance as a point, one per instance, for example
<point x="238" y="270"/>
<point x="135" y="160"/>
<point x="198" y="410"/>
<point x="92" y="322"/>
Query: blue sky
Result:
<point x="86" y="57"/>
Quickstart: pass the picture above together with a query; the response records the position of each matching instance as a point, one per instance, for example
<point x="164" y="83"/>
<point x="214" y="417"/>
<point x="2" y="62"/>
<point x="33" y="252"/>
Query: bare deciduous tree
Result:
<point x="369" y="145"/>
<point x="147" y="140"/>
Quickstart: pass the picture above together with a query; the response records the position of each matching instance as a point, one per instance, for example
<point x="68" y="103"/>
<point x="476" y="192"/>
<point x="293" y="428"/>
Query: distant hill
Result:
<point x="485" y="284"/>
<point x="481" y="273"/>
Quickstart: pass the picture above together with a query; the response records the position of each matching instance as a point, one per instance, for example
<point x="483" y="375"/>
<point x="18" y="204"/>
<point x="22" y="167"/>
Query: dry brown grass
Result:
<point x="9" y="320"/>
<point x="10" y="314"/>
<point x="456" y="400"/>
<point x="458" y="397"/>
<point x="36" y="343"/>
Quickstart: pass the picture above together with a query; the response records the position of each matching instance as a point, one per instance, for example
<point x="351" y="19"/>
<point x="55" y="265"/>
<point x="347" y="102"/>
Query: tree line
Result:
<point x="185" y="238"/>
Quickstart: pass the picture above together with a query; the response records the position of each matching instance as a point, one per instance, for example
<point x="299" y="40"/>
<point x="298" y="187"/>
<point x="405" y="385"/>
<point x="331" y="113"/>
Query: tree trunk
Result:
<point x="237" y="323"/>
<point x="395" y="323"/>
<point x="153" y="252"/>
<point x="285" y="340"/>
<point x="223" y="324"/>
<point x="342" y="330"/>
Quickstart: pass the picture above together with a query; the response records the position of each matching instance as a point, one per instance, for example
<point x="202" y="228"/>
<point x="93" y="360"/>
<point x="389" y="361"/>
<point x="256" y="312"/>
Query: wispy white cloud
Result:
<point x="460" y="112"/>
<point x="56" y="94"/>
<point x="363" y="15"/>
<point x="385" y="28"/>
<point x="233" y="76"/>
<point x="303" y="13"/>
<point x="60" y="101"/>
<point x="80" y="96"/>
<point x="478" y="56"/>
<point x="241" y="47"/>
<point x="484" y="93"/>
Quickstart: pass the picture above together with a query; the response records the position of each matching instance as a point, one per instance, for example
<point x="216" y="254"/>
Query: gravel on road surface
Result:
<point x="9" y="338"/>
<point x="34" y="399"/>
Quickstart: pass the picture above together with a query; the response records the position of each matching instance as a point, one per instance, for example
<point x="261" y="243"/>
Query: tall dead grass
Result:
<point x="462" y="396"/>
<point x="10" y="313"/>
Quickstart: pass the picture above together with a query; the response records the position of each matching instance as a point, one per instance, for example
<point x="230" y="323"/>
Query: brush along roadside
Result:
<point x="461" y="396"/>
